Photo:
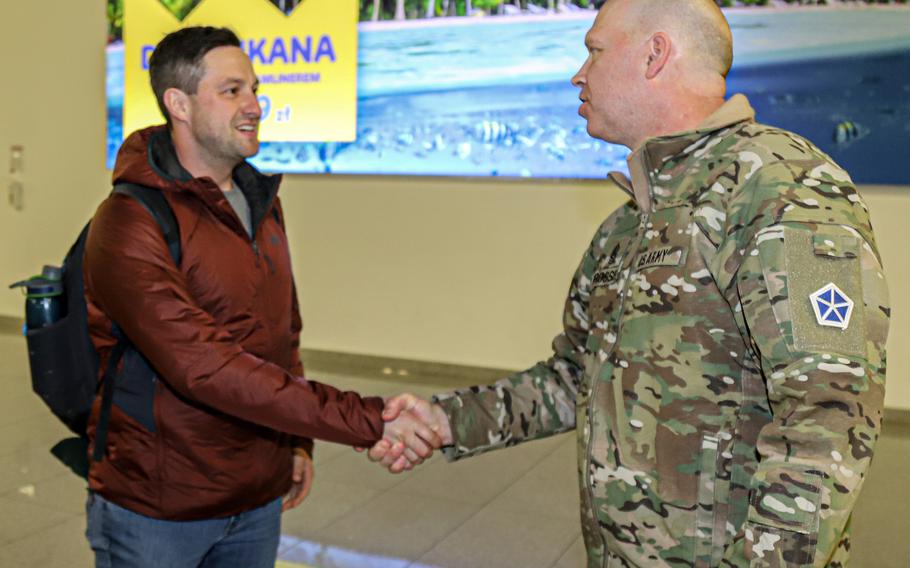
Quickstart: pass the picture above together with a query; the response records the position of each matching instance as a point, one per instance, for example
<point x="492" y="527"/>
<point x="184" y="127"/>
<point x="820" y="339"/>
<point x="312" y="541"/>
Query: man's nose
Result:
<point x="251" y="106"/>
<point x="580" y="78"/>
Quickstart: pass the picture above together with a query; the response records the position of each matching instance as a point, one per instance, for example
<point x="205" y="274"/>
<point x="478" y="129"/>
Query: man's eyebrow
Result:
<point x="231" y="81"/>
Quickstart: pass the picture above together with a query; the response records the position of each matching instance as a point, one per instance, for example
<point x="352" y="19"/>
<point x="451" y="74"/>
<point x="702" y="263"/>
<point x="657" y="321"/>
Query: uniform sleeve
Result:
<point x="133" y="279"/>
<point x="814" y="305"/>
<point x="531" y="404"/>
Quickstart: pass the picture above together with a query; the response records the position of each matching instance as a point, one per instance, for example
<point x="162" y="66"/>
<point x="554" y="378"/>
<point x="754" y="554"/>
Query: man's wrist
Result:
<point x="442" y="421"/>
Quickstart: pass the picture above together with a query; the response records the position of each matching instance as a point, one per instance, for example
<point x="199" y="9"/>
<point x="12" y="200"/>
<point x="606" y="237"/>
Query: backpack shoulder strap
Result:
<point x="155" y="203"/>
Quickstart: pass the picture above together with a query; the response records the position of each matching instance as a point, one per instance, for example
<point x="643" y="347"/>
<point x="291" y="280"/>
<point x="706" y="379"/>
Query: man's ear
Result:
<point x="178" y="104"/>
<point x="659" y="47"/>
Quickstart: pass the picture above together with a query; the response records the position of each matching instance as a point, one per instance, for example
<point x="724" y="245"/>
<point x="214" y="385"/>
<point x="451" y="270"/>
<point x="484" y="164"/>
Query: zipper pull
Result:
<point x="256" y="252"/>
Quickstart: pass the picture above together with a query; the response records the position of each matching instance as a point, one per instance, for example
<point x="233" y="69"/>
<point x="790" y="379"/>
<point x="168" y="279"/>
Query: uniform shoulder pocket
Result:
<point x="835" y="244"/>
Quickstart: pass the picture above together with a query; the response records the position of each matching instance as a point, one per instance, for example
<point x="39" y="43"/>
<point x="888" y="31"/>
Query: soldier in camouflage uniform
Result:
<point x="722" y="359"/>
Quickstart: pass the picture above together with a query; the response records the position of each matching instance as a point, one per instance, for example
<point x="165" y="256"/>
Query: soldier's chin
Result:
<point x="603" y="134"/>
<point x="595" y="132"/>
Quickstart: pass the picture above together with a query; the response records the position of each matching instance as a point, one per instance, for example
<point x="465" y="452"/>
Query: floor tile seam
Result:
<point x="530" y="470"/>
<point x="421" y="558"/>
<point x="4" y="456"/>
<point x="421" y="553"/>
<point x="18" y="419"/>
<point x="574" y="518"/>
<point x="557" y="447"/>
<point x="35" y="481"/>
<point x="484" y="506"/>
<point x="45" y="528"/>
<point x="565" y="551"/>
<point x="41" y="505"/>
<point x="483" y="503"/>
<point x="528" y="475"/>
<point x="329" y="545"/>
<point x="26" y="401"/>
<point x="527" y="471"/>
<point x="40" y="478"/>
<point x="43" y="478"/>
<point x="355" y="509"/>
<point x="417" y="564"/>
<point x="324" y="461"/>
<point x="562" y="552"/>
<point x="39" y="421"/>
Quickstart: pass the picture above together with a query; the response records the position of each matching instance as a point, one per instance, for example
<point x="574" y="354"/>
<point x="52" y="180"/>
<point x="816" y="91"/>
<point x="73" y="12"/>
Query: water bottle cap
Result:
<point x="41" y="288"/>
<point x="50" y="272"/>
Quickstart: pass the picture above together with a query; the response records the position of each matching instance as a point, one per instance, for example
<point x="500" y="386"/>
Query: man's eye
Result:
<point x="231" y="91"/>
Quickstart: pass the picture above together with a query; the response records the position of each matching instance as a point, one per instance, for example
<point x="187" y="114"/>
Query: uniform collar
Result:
<point x="646" y="160"/>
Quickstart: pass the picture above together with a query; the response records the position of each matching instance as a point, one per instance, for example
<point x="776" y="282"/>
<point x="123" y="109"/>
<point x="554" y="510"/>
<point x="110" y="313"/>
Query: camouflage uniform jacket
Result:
<point x="722" y="359"/>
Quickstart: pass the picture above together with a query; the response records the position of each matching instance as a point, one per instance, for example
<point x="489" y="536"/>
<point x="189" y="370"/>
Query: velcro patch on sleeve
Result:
<point x="822" y="285"/>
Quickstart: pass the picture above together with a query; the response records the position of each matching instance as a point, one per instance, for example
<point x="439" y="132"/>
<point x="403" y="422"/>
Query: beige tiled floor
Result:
<point x="514" y="508"/>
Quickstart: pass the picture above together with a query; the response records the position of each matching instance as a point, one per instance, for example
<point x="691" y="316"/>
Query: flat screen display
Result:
<point x="489" y="93"/>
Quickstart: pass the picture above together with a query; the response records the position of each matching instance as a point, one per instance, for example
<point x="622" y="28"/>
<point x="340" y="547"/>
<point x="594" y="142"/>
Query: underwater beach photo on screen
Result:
<point x="481" y="88"/>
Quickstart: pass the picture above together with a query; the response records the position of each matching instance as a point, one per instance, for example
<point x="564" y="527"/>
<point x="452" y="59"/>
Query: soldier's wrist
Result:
<point x="443" y="428"/>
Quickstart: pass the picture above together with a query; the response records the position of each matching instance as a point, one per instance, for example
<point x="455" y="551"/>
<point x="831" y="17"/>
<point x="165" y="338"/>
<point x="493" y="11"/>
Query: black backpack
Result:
<point x="63" y="361"/>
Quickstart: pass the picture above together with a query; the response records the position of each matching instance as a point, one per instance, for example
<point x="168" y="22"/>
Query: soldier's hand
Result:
<point x="430" y="413"/>
<point x="414" y="427"/>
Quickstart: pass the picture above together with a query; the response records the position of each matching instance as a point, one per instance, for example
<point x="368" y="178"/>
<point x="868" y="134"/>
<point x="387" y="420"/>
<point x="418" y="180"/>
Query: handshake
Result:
<point x="414" y="427"/>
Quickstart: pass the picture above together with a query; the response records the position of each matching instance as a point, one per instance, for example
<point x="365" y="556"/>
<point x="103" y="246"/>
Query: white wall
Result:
<point x="459" y="271"/>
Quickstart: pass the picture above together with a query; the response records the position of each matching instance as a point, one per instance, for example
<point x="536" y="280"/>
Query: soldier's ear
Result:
<point x="659" y="48"/>
<point x="177" y="104"/>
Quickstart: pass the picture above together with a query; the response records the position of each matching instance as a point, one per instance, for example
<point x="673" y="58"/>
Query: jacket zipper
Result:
<point x="255" y="249"/>
<point x="622" y="304"/>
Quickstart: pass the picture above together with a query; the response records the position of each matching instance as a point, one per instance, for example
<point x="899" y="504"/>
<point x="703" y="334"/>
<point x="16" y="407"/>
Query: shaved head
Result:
<point x="654" y="67"/>
<point x="697" y="26"/>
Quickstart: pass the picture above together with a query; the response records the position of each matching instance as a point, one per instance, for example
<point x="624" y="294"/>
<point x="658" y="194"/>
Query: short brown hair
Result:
<point x="177" y="59"/>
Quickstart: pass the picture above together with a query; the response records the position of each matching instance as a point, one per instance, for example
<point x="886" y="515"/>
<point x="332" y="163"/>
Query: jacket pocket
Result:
<point x="711" y="511"/>
<point x="590" y="529"/>
<point x="782" y="527"/>
<point x="704" y="509"/>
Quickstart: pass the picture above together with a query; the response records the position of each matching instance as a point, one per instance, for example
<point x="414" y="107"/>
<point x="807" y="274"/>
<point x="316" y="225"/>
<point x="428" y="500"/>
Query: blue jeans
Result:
<point x="124" y="539"/>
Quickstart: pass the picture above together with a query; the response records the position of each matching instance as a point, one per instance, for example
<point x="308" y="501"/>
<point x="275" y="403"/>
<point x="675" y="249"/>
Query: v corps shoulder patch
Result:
<point x="820" y="299"/>
<point x="832" y="306"/>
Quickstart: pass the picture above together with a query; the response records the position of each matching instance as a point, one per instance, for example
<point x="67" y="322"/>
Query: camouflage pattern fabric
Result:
<point x="721" y="419"/>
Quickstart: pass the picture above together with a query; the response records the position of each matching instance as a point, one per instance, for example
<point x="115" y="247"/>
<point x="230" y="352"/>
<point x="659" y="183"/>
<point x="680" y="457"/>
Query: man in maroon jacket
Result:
<point x="212" y="425"/>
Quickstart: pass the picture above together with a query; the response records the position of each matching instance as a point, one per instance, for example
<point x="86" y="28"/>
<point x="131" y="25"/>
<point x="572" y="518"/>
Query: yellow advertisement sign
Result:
<point x="306" y="61"/>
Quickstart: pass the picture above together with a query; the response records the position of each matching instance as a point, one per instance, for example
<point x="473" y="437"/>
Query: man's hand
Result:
<point x="301" y="480"/>
<point x="404" y="452"/>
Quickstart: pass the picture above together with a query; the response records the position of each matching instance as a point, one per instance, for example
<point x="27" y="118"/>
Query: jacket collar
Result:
<point x="147" y="157"/>
<point x="163" y="157"/>
<point x="646" y="161"/>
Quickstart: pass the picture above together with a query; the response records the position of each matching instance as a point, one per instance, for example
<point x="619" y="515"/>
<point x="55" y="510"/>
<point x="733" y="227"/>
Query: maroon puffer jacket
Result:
<point x="213" y="435"/>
